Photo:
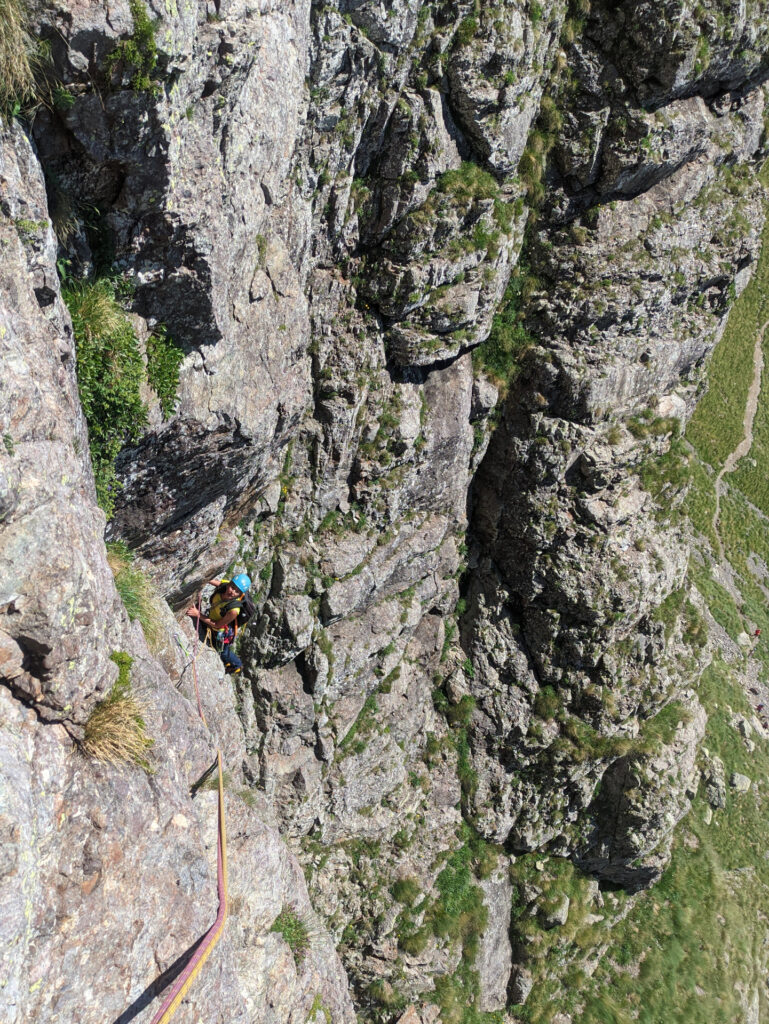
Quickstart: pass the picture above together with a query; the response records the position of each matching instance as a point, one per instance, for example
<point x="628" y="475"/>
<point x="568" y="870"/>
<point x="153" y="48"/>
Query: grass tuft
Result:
<point x="136" y="593"/>
<point x="294" y="931"/>
<point x="468" y="183"/>
<point x="115" y="731"/>
<point x="17" y="78"/>
<point x="406" y="890"/>
<point x="94" y="310"/>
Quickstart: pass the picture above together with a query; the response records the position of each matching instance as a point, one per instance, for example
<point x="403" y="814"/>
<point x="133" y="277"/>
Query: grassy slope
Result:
<point x="689" y="948"/>
<point x="684" y="945"/>
<point x="716" y="428"/>
<point x="750" y="477"/>
<point x="696" y="934"/>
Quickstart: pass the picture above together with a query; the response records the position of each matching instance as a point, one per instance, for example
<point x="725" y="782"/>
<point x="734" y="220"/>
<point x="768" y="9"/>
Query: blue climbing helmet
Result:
<point x="242" y="582"/>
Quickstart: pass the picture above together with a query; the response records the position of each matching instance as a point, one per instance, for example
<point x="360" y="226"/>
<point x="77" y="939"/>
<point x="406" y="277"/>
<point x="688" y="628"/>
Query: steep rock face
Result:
<point x="109" y="875"/>
<point x="432" y="243"/>
<point x="321" y="205"/>
<point x="572" y="562"/>
<point x="210" y="228"/>
<point x="45" y="470"/>
<point x="379" y="468"/>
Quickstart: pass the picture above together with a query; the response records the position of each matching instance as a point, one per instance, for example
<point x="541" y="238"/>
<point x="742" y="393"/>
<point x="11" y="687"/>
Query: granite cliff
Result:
<point x="417" y="300"/>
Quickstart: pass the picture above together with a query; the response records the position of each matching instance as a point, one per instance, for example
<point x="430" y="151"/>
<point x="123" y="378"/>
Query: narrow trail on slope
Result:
<point x="746" y="443"/>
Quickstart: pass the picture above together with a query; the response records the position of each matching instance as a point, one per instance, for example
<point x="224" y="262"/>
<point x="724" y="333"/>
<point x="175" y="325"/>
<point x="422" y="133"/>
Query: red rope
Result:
<point x="199" y="957"/>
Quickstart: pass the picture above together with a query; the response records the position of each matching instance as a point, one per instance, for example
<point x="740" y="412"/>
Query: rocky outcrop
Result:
<point x="572" y="559"/>
<point x="471" y="634"/>
<point x="495" y="955"/>
<point x="166" y="184"/>
<point x="109" y="874"/>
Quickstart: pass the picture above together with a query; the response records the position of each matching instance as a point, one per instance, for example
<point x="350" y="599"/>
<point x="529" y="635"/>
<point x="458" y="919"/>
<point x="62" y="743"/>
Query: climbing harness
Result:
<point x="182" y="984"/>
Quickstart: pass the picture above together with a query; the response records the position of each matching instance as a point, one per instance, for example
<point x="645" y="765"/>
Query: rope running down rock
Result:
<point x="192" y="969"/>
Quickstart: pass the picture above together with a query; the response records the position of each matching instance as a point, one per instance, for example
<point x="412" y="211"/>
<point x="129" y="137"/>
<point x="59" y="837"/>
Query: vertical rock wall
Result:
<point x="457" y="618"/>
<point x="107" y="875"/>
<point x="629" y="294"/>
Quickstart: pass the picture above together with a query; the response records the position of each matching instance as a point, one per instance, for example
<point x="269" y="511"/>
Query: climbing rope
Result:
<point x="182" y="984"/>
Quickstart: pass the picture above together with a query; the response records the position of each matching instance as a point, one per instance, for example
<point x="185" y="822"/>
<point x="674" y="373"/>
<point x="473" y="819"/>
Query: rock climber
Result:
<point x="220" y="626"/>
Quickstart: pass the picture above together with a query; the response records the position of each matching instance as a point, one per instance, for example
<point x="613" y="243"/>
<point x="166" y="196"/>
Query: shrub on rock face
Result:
<point x="110" y="372"/>
<point x="115" y="731"/>
<point x="136" y="593"/>
<point x="294" y="931"/>
<point x="17" y="80"/>
<point x="139" y="53"/>
<point x="164" y="357"/>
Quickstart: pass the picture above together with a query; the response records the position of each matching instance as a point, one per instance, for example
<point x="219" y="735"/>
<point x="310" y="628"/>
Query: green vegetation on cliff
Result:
<point x="164" y="357"/>
<point x="17" y="79"/>
<point x="110" y="372"/>
<point x="138" y="53"/>
<point x="136" y="593"/>
<point x="692" y="948"/>
<point x="715" y="429"/>
<point x="115" y="731"/>
<point x="501" y="353"/>
<point x="294" y="931"/>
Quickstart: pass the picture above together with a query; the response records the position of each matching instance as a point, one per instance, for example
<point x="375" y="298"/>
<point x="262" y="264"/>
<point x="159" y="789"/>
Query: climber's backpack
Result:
<point x="245" y="605"/>
<point x="247" y="610"/>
